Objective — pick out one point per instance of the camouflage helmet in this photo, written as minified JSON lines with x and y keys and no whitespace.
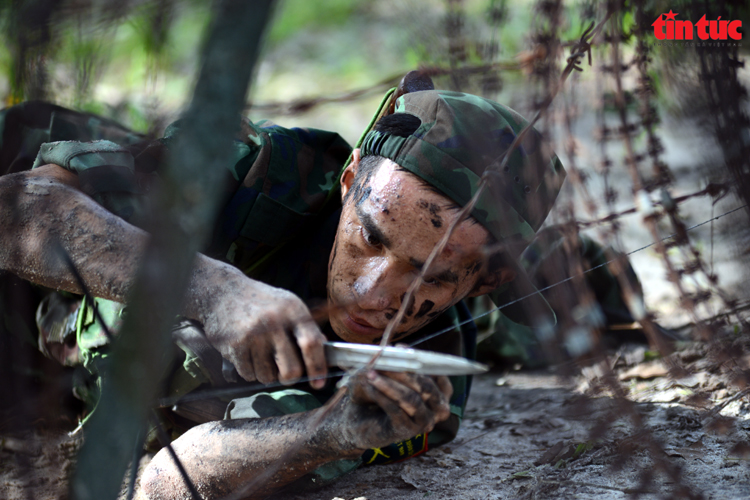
{"x":462,"y":136}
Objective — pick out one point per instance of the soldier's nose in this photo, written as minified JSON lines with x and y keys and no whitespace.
{"x":372,"y":290}
{"x":369,"y":295}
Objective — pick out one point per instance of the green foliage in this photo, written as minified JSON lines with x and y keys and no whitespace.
{"x":294,"y":16}
{"x":651,"y":355}
{"x":583,"y":448}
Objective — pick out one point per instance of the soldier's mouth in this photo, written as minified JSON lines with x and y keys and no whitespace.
{"x":360,"y":326}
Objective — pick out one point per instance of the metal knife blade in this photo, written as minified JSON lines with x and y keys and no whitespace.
{"x":400,"y":359}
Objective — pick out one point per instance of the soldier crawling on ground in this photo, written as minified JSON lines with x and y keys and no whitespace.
{"x":295,"y":230}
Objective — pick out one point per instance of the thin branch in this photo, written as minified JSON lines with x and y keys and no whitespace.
{"x":164,"y":438}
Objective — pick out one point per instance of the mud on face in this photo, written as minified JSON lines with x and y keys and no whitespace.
{"x":390,"y":223}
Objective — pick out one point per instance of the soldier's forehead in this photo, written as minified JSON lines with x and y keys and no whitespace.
{"x":385,"y":174}
{"x":390,"y":177}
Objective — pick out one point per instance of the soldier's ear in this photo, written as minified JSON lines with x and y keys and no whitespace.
{"x":347,"y":176}
{"x":493,"y":280}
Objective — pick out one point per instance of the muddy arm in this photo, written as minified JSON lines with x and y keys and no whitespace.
{"x":44,"y":205}
{"x":225,"y":456}
{"x":253,"y":325}
{"x":248,"y":457}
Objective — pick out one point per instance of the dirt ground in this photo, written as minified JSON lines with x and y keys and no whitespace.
{"x":528,"y":435}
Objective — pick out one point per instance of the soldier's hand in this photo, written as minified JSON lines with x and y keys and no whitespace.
{"x":267,"y":333}
{"x":385,"y":407}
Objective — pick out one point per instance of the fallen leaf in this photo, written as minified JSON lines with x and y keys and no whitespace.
{"x":697,"y":444}
{"x":691,"y":381}
{"x":559,"y":423}
{"x":524,"y":474}
{"x":548,"y":456}
{"x":667,"y":396}
{"x":699,"y":400}
{"x":740,"y":450}
{"x":648,"y":370}
{"x":522,"y":431}
{"x":493,"y":453}
{"x":491,"y":423}
{"x":558,"y":452}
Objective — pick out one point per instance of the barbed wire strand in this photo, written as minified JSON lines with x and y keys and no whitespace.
{"x":498,"y":308}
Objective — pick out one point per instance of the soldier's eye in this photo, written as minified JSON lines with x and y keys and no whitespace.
{"x":431,"y":281}
{"x":369,"y":238}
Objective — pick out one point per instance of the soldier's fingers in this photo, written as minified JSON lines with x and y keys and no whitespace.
{"x":243,"y":364}
{"x":310,"y":341}
{"x":399,"y":418}
{"x":287,"y":360}
{"x":405,"y":378}
{"x":444,"y":385}
{"x":434,"y":391}
{"x":421,"y":384}
{"x":406,"y":398}
{"x":438,"y":400}
{"x":262,"y":354}
{"x":358,"y":385}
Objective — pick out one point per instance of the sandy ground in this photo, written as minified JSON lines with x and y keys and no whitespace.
{"x":527,"y":435}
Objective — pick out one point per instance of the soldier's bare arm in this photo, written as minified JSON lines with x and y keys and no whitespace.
{"x":222,"y":457}
{"x":44,"y":205}
{"x":261,"y":329}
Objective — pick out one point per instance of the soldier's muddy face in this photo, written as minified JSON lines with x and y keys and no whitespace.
{"x":387,"y":230}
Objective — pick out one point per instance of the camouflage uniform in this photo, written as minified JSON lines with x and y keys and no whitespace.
{"x":279,"y":217}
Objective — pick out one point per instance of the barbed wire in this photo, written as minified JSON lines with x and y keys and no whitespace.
{"x":549,"y":287}
{"x":715,"y":190}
